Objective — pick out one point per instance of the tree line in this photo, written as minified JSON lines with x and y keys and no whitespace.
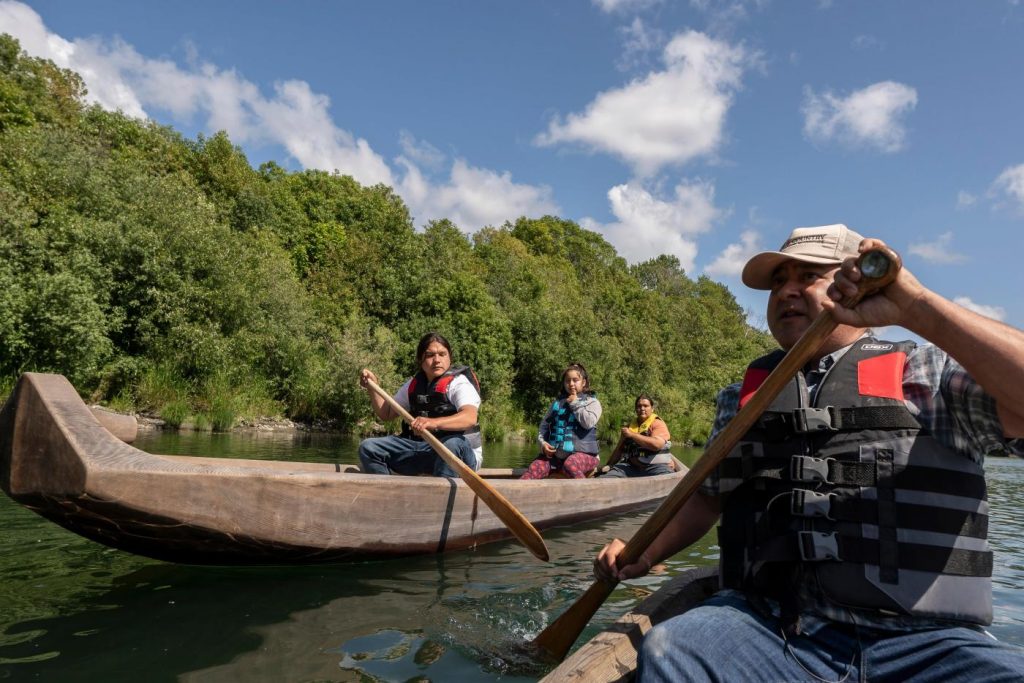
{"x":168,"y":274}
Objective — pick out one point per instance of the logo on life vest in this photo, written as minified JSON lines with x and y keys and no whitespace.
{"x":876,"y":347}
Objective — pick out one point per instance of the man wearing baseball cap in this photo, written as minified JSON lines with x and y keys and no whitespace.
{"x":853,"y":515}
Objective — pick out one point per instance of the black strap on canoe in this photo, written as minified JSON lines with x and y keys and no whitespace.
{"x":447,"y":514}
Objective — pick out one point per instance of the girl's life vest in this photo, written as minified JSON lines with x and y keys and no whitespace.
{"x":634,"y":453}
{"x":848,"y":499}
{"x":430,"y":399}
{"x":564,"y":432}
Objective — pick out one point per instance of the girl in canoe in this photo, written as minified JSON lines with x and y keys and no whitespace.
{"x":444,"y":399}
{"x":643,"y":449}
{"x":568,"y":433}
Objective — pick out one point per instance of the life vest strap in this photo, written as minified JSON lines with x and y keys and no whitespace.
{"x":777,"y":426}
{"x":819,"y":546}
{"x":810,"y":470}
{"x":844,"y":508}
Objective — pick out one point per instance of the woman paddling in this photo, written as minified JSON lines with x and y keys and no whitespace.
{"x":444,"y":399}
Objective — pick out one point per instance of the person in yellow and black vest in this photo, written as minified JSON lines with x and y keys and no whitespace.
{"x":444,"y":399}
{"x":644,"y":447}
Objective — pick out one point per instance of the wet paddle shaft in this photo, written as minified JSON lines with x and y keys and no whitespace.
{"x":879,"y":267}
{"x":499,"y":505}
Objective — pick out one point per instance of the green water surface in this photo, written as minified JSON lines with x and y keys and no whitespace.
{"x":73,"y":610}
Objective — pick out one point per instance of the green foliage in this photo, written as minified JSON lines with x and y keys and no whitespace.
{"x":174,"y":413}
{"x":168,"y":275}
{"x":33,"y":90}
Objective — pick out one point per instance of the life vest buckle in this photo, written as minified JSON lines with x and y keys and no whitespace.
{"x":806,"y":468}
{"x":804,"y":503}
{"x":817,"y":546}
{"x":809,"y":420}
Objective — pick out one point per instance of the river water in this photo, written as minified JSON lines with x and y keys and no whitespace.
{"x":73,"y":610}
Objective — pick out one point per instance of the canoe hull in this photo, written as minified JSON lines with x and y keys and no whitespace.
{"x":57,"y":459}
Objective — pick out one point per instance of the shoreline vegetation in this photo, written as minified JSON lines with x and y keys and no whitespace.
{"x":167,"y":276}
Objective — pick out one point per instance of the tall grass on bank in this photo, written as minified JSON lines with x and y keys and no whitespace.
{"x":216,"y":404}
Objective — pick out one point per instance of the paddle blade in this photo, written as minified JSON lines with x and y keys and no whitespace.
{"x":513,"y":519}
{"x":553,"y":643}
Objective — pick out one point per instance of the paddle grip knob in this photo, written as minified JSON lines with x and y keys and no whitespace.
{"x":878,"y":268}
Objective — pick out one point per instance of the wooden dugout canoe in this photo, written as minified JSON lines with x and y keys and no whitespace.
{"x":58,"y":460}
{"x":610,"y":656}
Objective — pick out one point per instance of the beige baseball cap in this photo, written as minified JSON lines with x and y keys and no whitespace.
{"x":828,"y":244}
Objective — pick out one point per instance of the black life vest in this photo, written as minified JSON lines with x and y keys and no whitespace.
{"x":430,"y":399}
{"x":849,"y":500}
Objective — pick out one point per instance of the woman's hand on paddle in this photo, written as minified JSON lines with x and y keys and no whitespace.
{"x":606,"y":566}
{"x":627,"y":433}
{"x":890,"y":306}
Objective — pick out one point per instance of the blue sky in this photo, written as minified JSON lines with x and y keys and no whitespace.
{"x":703,"y":129}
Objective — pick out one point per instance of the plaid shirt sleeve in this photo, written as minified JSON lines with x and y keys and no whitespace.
{"x":950,"y":404}
{"x":727,"y":405}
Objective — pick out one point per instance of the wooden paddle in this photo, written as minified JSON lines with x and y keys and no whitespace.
{"x":879,"y":267}
{"x":499,"y":505}
{"x":615,"y":456}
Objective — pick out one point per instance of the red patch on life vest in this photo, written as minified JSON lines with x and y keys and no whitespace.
{"x":442,"y":384}
{"x":752,"y":380}
{"x":882,"y":376}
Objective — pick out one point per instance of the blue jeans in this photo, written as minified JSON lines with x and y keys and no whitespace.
{"x":725,"y":639}
{"x":399,"y":455}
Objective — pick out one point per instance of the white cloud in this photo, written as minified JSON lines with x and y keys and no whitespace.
{"x":994,"y":312}
{"x":938,"y":251}
{"x":420,"y":151}
{"x":623,"y":6}
{"x":1010,"y":185}
{"x":732,"y":259}
{"x":872,"y":116}
{"x":639,"y":41}
{"x":667,"y":117}
{"x":118,"y":77}
{"x":647,"y":226}
{"x":472,"y":197}
{"x":293,"y":116}
{"x":724,"y":15}
{"x":866,"y":42}
{"x":965,"y":199}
